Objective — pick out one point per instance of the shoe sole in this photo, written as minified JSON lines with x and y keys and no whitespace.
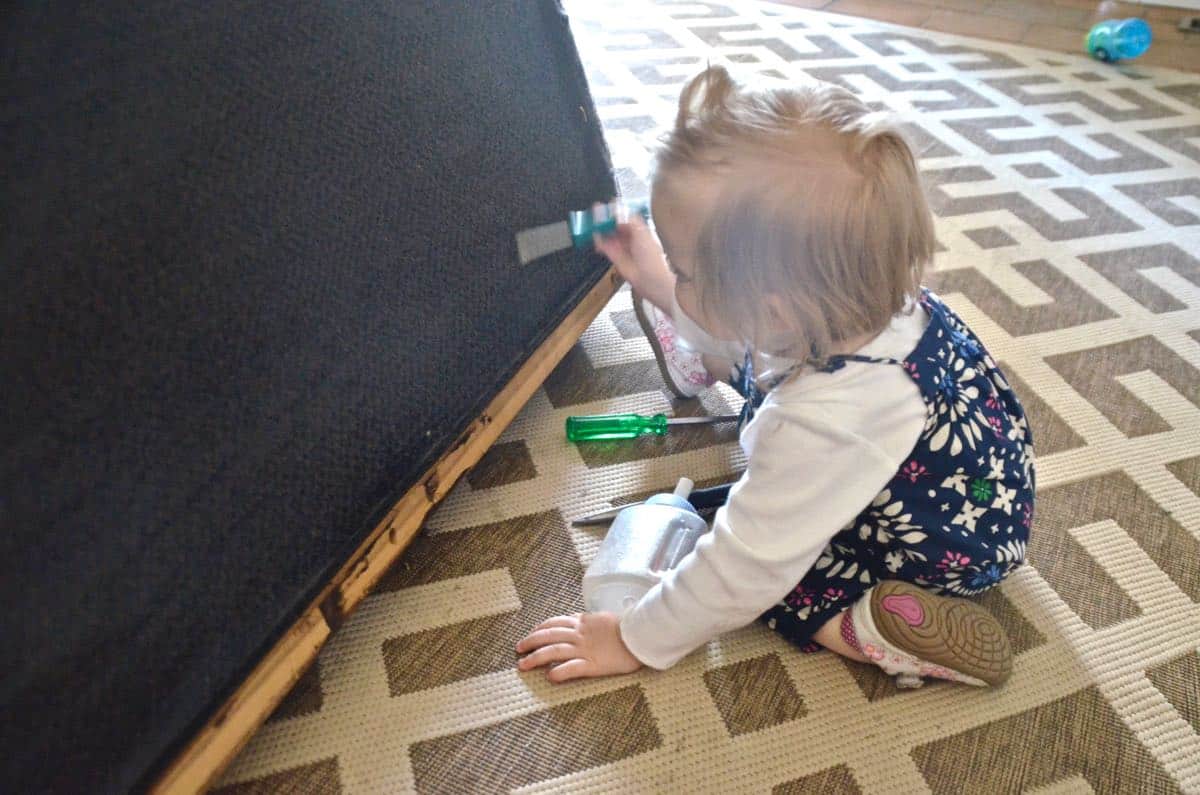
{"x":955,"y":634}
{"x":656,"y":346}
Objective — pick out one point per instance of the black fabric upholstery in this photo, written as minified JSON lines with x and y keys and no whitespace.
{"x":259,"y":271}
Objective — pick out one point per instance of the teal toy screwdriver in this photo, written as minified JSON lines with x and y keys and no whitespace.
{"x":631,"y":426}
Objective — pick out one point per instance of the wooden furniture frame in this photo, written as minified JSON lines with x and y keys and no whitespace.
{"x":230,"y":728}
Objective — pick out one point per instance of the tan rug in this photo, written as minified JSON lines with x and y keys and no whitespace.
{"x":1068,"y":197}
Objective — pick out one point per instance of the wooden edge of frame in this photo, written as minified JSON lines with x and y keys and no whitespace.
{"x":219,"y":741}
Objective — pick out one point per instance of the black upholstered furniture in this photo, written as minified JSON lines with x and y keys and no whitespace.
{"x":259,"y":273}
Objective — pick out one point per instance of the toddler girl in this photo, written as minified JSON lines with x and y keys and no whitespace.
{"x":890,"y":466}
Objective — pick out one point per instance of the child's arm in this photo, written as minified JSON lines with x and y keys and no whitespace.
{"x":807,"y":479}
{"x":639,"y":258}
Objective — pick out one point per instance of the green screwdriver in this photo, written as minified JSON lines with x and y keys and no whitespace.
{"x":631,"y":426}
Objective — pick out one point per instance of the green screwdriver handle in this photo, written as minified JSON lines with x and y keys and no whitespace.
{"x":614,"y":426}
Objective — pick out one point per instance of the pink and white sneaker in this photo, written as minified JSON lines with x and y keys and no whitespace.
{"x":682,"y":370}
{"x":914,"y":634}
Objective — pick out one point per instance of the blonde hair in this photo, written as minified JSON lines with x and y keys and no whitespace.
{"x":821,"y":215}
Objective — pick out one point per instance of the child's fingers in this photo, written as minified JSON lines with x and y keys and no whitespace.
{"x":555,"y":652}
{"x":558,"y":621}
{"x":620,"y":241}
{"x":571,"y":669}
{"x":633,"y":230}
{"x":613,"y":247}
{"x":636,"y":225}
{"x":544,"y":637}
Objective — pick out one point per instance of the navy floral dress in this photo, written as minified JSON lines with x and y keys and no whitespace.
{"x":955,"y":518}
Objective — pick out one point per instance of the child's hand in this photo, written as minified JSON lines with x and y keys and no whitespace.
{"x":639,"y":258}
{"x":582,"y":645}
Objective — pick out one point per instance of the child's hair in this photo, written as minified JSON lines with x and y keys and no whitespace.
{"x":820,"y":212}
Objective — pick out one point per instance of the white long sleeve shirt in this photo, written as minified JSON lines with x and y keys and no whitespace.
{"x":819,"y":450}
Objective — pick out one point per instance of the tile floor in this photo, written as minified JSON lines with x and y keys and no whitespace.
{"x":1051,"y":24}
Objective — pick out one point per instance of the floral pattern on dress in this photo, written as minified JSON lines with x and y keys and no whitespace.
{"x":955,"y":519}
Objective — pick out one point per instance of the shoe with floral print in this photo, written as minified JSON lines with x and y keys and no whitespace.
{"x":914,"y":634}
{"x":682,"y":371}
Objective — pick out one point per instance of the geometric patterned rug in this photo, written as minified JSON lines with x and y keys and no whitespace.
{"x":1068,"y":202}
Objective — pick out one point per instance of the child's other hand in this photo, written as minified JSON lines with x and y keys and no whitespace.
{"x":639,"y":258}
{"x":582,"y":645}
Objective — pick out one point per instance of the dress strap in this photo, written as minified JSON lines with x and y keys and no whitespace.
{"x":744,"y":381}
{"x":834,"y":363}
